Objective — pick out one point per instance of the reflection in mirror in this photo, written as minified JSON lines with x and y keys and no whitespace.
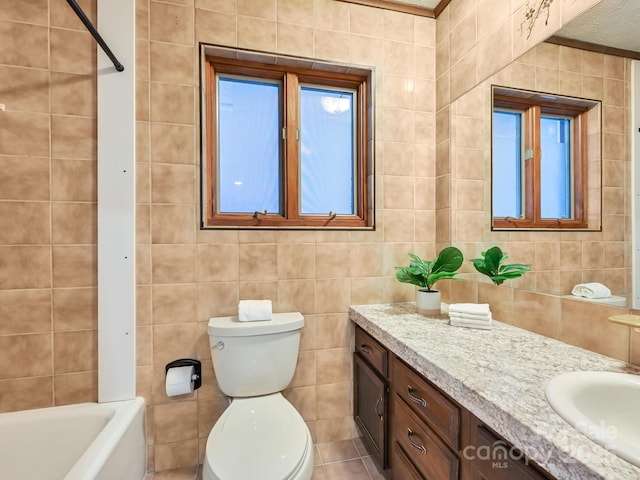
{"x":559,"y":259}
{"x":546,"y":161}
{"x":610,"y":26}
{"x":613,"y":25}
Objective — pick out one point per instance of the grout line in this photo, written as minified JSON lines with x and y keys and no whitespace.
{"x":360,"y":457}
{"x":342,"y":460}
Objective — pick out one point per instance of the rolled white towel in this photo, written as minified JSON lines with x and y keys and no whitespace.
{"x":591,"y":290}
{"x":463,"y":322}
{"x":470,"y":308}
{"x":470,"y":316}
{"x":254,"y":310}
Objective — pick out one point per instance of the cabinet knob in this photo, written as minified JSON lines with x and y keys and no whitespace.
{"x":366,"y":349}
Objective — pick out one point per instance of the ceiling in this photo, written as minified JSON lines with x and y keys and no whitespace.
{"x":611,"y":23}
{"x":430,"y":4}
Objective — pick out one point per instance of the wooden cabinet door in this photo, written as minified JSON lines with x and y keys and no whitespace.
{"x":370,"y":408}
{"x":495,"y":459}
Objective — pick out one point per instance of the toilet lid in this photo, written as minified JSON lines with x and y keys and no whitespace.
{"x":257,"y":437}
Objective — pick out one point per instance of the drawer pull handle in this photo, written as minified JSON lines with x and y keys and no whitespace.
{"x":366,"y":349}
{"x":378,"y":402}
{"x":415,"y":445}
{"x":418,"y":400}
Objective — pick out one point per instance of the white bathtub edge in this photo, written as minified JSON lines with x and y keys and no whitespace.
{"x":128,"y":418}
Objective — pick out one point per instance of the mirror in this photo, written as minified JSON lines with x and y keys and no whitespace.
{"x":610,"y":24}
{"x":560,"y":260}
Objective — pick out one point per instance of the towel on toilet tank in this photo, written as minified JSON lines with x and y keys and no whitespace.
{"x":591,"y":290}
{"x":254,"y":310}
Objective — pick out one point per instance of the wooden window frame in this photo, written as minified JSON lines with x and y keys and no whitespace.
{"x":291,"y":73}
{"x":533,"y":106}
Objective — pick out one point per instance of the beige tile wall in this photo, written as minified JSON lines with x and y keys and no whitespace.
{"x":48,"y":296}
{"x":186,"y":275}
{"x":477,"y":38}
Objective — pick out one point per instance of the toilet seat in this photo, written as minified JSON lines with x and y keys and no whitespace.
{"x":258,"y":437}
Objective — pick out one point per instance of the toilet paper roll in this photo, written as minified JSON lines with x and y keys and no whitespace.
{"x":179,"y":381}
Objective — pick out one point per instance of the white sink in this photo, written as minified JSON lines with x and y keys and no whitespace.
{"x":604,"y":406}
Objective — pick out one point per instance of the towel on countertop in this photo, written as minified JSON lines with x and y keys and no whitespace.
{"x":591,"y":290}
{"x":470,"y":316}
{"x":468,"y":323}
{"x":470,"y":308}
{"x":254,"y":310}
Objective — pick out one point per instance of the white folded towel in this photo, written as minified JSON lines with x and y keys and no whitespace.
{"x":470,"y":308}
{"x":470,"y":316}
{"x":464,"y":322}
{"x":254,"y":310}
{"x":591,"y":290}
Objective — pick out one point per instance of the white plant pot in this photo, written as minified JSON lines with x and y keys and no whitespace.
{"x":428,"y":302}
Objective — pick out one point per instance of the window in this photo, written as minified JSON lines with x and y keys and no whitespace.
{"x":288,"y":143}
{"x":541,"y":161}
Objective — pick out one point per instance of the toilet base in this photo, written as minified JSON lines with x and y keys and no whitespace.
{"x":304,"y":472}
{"x":261,"y":437}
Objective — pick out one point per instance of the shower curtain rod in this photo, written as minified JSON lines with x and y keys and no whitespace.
{"x":92,"y":30}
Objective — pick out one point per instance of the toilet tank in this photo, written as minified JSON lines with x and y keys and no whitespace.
{"x":255,"y":358}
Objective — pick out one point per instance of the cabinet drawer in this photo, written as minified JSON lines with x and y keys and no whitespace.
{"x":372,"y":351}
{"x":430,"y":456}
{"x":403,"y":469}
{"x":440,"y":413}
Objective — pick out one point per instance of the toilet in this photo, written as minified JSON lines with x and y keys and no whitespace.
{"x":260,"y":434}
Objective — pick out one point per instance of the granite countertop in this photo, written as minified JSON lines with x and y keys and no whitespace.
{"x":500,"y":376}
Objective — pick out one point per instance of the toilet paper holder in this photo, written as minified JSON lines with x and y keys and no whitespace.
{"x":188,"y":362}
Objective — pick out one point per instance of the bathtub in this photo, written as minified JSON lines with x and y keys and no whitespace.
{"x":87,"y":441}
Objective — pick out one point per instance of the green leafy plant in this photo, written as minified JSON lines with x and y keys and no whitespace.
{"x":492,"y":265}
{"x":425,"y":273}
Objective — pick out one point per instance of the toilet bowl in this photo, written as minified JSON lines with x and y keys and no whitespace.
{"x":259,"y":437}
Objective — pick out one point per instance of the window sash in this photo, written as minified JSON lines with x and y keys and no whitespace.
{"x":515,"y":168}
{"x":564,"y":173}
{"x":251,"y":144}
{"x":344,"y":173}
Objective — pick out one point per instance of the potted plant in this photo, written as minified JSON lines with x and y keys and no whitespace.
{"x":425,"y":274}
{"x":492,"y":265}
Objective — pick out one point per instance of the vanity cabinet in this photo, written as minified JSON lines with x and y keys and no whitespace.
{"x":419,"y":432}
{"x":371,"y":394}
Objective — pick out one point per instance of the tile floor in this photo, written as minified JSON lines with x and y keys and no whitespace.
{"x":345,"y":460}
